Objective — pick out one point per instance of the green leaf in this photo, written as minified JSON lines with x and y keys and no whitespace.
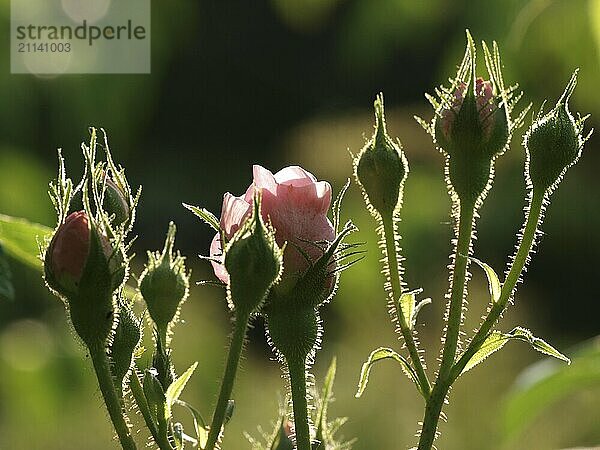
{"x":493,"y":281}
{"x":425,"y":301}
{"x":199,"y":424}
{"x":325,"y":399}
{"x":19,"y":237}
{"x":407,"y":306}
{"x":496,"y":340}
{"x":378,"y":355}
{"x":546,"y":382}
{"x":204,"y":214}
{"x":539,"y":344}
{"x":176,"y":388}
{"x":7,"y":290}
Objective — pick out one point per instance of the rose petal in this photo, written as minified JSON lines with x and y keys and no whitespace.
{"x":295,"y":176}
{"x":234,"y":212}
{"x":216,"y":252}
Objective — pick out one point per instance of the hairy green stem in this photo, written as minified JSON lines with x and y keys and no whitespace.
{"x":440,"y":390}
{"x":138,"y":394}
{"x":435,"y":402}
{"x":457,"y":292}
{"x":233,"y":359}
{"x":111,"y":399}
{"x":527,"y":241}
{"x":297,"y":371}
{"x":392,"y":260}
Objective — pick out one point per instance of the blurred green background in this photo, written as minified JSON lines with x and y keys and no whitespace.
{"x":286,"y":82}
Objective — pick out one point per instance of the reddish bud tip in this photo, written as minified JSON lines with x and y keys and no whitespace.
{"x":68,"y":252}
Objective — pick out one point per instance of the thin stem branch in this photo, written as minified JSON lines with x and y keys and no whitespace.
{"x":527,"y":241}
{"x":297,"y":371}
{"x":111,"y":399}
{"x":392,"y":260}
{"x":233,"y":359}
{"x":440,"y":390}
{"x":138,"y":394}
{"x":457,"y":292}
{"x":435,"y":402}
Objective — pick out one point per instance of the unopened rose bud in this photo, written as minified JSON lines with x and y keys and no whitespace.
{"x":472,"y":129}
{"x":83,"y":267}
{"x":253,"y":261}
{"x":164,"y":283}
{"x":67,"y":254}
{"x":554,"y":143}
{"x":126,"y":338}
{"x":381,"y":167}
{"x":115,"y":202}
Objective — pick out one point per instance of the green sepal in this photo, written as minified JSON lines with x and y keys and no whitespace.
{"x":126,"y":338}
{"x":92,"y":307}
{"x":206,"y":216}
{"x":154,"y":393}
{"x":161,"y":361}
{"x":254,"y":262}
{"x":115,"y":203}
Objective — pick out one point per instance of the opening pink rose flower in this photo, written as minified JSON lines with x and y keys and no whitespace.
{"x":295,"y":203}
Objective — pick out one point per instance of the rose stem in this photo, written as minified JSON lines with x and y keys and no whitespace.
{"x":233,"y":359}
{"x":297,"y":371}
{"x":435,"y":402}
{"x":111,"y":399}
{"x":392,"y":259}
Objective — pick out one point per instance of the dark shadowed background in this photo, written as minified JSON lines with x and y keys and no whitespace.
{"x":285,"y":82}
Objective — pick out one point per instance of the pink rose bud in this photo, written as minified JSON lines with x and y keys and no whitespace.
{"x":115,"y":202}
{"x":68,"y":252}
{"x":295,"y":204}
{"x":472,"y":129}
{"x":485,"y":103}
{"x":82,"y":266}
